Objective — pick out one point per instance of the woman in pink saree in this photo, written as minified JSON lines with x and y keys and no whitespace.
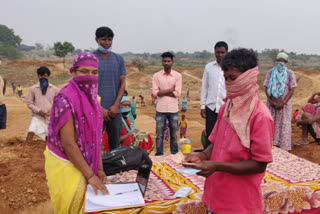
{"x":72,"y":155}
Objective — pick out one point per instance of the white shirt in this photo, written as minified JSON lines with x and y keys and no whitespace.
{"x":213,"y":89}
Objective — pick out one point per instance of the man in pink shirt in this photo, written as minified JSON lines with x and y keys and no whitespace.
{"x":40,"y":100}
{"x":234,"y":164}
{"x":166,"y":86}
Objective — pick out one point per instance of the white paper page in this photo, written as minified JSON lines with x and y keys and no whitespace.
{"x":120,"y":195}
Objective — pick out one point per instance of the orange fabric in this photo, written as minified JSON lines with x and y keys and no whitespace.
{"x":242,"y":97}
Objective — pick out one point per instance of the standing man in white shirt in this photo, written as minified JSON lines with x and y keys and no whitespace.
{"x":213,"y":89}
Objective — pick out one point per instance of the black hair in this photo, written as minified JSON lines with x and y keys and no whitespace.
{"x":104,"y":32}
{"x":133,"y":97}
{"x":243,"y":59}
{"x":221,"y":44}
{"x":43,"y":70}
{"x":167,"y":54}
{"x":125,"y":93}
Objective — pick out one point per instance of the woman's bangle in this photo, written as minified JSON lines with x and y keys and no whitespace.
{"x":100,"y":170}
{"x":90,"y":177}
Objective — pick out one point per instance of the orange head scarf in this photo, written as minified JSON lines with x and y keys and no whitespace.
{"x":242,"y":97}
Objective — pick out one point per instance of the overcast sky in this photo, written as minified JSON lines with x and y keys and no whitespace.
{"x":160,"y":25}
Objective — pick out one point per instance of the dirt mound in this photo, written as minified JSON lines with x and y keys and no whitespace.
{"x":23,"y":72}
{"x":22,"y":177}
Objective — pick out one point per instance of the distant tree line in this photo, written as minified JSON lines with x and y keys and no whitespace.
{"x":178,"y":55}
{"x":12,"y":48}
{"x":9,"y":43}
{"x":200,"y":58}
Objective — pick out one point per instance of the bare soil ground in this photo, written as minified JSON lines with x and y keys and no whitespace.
{"x":23,"y":188}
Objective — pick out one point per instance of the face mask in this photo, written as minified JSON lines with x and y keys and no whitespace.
{"x":103,"y":50}
{"x":88,"y":84}
{"x":281,"y":66}
{"x":44,"y":84}
{"x":86,"y":79}
{"x":125,"y":111}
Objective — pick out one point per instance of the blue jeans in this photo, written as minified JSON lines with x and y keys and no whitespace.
{"x":161,"y":119}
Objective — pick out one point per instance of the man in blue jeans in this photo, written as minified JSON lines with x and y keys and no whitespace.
{"x":111,"y":84}
{"x":167,"y":88}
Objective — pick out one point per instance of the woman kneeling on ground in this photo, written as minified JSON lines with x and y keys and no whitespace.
{"x":235,"y":163}
{"x":72,"y":156}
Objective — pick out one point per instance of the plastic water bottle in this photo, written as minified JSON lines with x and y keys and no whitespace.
{"x":186,"y":147}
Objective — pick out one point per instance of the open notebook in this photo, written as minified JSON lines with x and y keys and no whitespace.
{"x":121,"y":195}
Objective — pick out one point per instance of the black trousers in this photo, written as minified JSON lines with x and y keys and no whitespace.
{"x":211,"y":120}
{"x":313,"y":133}
{"x":113,"y":129}
{"x":3,"y":116}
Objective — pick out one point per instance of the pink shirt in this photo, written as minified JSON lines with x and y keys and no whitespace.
{"x":227,"y":193}
{"x":163,"y":81}
{"x":37,"y":101}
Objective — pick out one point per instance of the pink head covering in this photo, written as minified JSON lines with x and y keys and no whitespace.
{"x":242,"y":97}
{"x":84,"y":59}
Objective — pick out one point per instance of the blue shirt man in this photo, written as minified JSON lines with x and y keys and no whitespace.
{"x":111,"y":84}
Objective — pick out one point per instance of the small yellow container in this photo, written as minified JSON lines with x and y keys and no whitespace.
{"x":186,"y":147}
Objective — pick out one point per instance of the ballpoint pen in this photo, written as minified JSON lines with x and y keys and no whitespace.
{"x":120,"y":193}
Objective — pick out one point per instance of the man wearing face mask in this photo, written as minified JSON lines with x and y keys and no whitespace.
{"x":111,"y":84}
{"x":40,"y":100}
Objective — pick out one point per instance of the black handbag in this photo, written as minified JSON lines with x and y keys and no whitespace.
{"x":124,"y":158}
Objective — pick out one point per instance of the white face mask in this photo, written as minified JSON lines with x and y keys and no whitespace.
{"x":103,"y":50}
